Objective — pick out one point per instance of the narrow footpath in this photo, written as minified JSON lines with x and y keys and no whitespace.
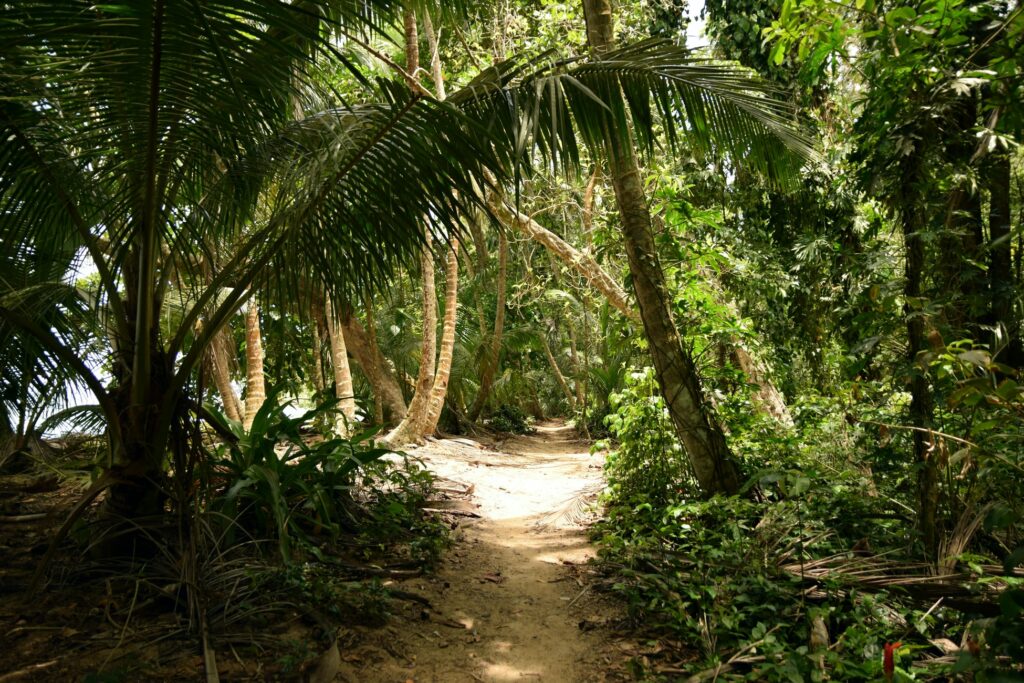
{"x":512,"y":600}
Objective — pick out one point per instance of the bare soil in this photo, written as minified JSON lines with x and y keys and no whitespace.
{"x":512,"y":600}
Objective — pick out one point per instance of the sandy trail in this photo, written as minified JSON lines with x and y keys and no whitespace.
{"x":509,"y":598}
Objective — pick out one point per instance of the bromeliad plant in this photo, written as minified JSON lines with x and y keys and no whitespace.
{"x":275,"y":482}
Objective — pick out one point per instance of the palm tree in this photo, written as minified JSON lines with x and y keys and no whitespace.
{"x":138,"y":130}
{"x":147,"y":134}
{"x":701,"y":434}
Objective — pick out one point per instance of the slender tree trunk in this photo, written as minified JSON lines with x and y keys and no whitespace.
{"x":371,"y":328}
{"x":715,"y":468}
{"x":444,"y":357}
{"x":255,"y":384}
{"x":435,"y":57}
{"x":588,"y":209}
{"x":342,"y":372}
{"x":1002,"y":291}
{"x":557,"y":371}
{"x":490,"y":369}
{"x":439,"y":390}
{"x":316,"y":313}
{"x":220,"y":367}
{"x":921,"y":407}
{"x":407,"y":429}
{"x":577,"y":366}
{"x":363,"y":346}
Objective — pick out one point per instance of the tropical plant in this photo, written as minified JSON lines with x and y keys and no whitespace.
{"x":181,"y":142}
{"x":275,"y":484}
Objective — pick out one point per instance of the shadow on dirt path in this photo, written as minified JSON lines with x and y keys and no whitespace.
{"x":511,"y":601}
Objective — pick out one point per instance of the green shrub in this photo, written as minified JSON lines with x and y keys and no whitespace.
{"x":274,"y":483}
{"x":647,"y":464}
{"x":510,"y":419}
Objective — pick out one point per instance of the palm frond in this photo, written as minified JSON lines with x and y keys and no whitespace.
{"x":554,"y":108}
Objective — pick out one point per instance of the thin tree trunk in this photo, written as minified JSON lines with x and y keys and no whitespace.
{"x":559,"y":377}
{"x":444,"y":357}
{"x":435,"y":57}
{"x":316,"y":313}
{"x":588,"y":208}
{"x":1000,"y":269}
{"x":371,"y":328}
{"x":715,"y":468}
{"x":255,"y":385}
{"x":577,"y":366}
{"x":439,"y":390}
{"x":406,"y":430}
{"x":220,"y":367}
{"x":920,"y":395}
{"x":342,"y":372}
{"x":380,"y":374}
{"x":490,"y":368}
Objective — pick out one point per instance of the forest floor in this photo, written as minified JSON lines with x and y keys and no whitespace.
{"x":512,"y":599}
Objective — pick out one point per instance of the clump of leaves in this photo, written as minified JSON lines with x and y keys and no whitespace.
{"x":730,"y":577}
{"x":274,"y":482}
{"x":510,"y":419}
{"x":648,"y":464}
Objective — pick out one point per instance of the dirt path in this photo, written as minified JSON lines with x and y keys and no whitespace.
{"x":510,"y":602}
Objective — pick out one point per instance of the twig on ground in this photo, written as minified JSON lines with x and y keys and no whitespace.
{"x":27,"y":671}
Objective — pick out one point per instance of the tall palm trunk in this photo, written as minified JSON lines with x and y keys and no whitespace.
{"x":342,"y":372}
{"x":451,"y":276}
{"x":921,"y":403}
{"x":490,"y":368}
{"x":371,"y":326}
{"x":1000,"y":271}
{"x":255,"y":384}
{"x":220,"y":366}
{"x":444,"y":356}
{"x":362,"y":343}
{"x":406,"y":431}
{"x":702,"y":436}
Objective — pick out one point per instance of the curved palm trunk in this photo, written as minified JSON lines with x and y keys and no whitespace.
{"x":559,"y":377}
{"x":362,"y":343}
{"x":220,"y":366}
{"x":490,"y":368}
{"x":444,"y":357}
{"x":702,"y":436}
{"x":406,"y":431}
{"x":255,"y":385}
{"x":342,"y":372}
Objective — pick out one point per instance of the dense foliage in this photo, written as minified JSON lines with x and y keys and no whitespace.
{"x":778,"y":277}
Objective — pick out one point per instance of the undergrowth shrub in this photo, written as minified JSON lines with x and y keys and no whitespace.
{"x":510,"y":419}
{"x":731,"y":581}
{"x":645,"y":463}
